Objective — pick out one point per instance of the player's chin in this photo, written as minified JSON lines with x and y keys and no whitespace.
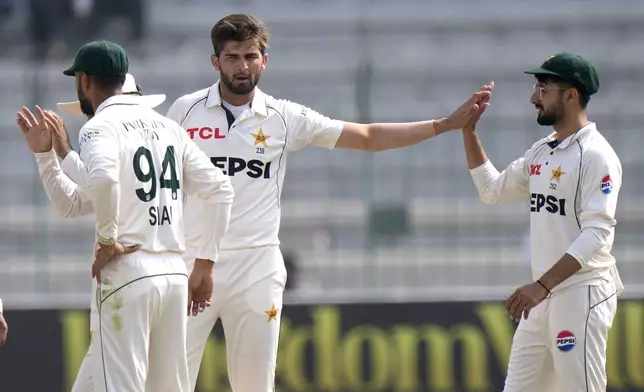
{"x":242,"y":87}
{"x":545,"y":120}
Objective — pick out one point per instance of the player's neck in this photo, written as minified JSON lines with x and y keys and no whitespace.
{"x":102,"y":97}
{"x":569,"y":126}
{"x":235,"y":99}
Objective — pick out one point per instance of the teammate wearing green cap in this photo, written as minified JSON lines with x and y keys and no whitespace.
{"x":139,"y":165}
{"x":572,"y":178}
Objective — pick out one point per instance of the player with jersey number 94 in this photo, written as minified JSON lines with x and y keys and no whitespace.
{"x":138,"y":165}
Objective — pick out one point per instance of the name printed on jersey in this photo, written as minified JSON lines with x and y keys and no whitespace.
{"x":145,"y":172}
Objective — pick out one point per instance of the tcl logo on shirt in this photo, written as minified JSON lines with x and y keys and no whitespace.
{"x":535,"y":170}
{"x":205,"y":133}
{"x":551,"y":204}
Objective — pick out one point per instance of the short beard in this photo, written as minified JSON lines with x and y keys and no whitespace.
{"x":243,"y":89}
{"x":553,"y":117}
{"x":86,"y":107}
{"x":85,"y":104}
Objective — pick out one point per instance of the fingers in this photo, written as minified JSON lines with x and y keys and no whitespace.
{"x":49,"y":115}
{"x":29,"y":116}
{"x":519,"y":309}
{"x":197,"y":307}
{"x":22,"y":123}
{"x":189,"y":301}
{"x":96,"y":272}
{"x":41,"y":117}
{"x":482,"y":96}
{"x":526,"y":312}
{"x":131,"y":249}
{"x":510,"y":301}
{"x":51,"y":125}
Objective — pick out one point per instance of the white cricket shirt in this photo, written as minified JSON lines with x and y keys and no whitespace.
{"x":252,"y":149}
{"x":573,"y":188}
{"x":147,"y":162}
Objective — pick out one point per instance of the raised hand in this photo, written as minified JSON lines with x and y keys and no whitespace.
{"x":483,"y":105}
{"x":60,"y":135}
{"x":475,"y":105}
{"x":36,"y":129}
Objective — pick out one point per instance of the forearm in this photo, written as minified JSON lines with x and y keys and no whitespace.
{"x":216,"y":221}
{"x":474,"y":150}
{"x":397,"y":135}
{"x":63,"y":193}
{"x":106,"y":194}
{"x":563,"y":269}
{"x":494,"y":187}
{"x":74,"y":168}
{"x":580,"y":255}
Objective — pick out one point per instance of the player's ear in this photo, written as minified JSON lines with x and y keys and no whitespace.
{"x":265,"y":58}
{"x":215,"y":62}
{"x":572,"y":93}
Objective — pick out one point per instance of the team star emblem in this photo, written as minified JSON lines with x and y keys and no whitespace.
{"x":260,"y":138}
{"x":557,"y":173}
{"x":272,"y":313}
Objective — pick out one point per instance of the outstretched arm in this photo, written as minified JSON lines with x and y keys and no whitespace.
{"x":387,"y":136}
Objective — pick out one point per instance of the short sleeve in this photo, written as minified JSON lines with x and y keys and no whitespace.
{"x":308,"y":127}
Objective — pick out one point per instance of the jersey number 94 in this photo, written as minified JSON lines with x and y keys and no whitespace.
{"x":147,"y":173}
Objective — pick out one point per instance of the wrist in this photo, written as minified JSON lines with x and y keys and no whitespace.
{"x":105,"y":241}
{"x":544,"y":287}
{"x":204,"y":264}
{"x":441,"y":125}
{"x":63,"y":152}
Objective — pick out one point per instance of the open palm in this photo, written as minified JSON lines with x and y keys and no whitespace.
{"x":36,"y":128}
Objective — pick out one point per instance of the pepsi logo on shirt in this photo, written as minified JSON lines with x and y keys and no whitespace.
{"x":565,"y":341}
{"x":607,"y":185}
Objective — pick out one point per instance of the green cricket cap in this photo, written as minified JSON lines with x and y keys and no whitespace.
{"x":100,"y":58}
{"x":573,"y":69}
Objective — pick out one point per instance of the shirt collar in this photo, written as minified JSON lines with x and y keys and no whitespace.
{"x":257,"y":105}
{"x":567,"y":142}
{"x":117,"y":100}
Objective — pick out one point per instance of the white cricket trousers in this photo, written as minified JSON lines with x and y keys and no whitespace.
{"x":561,"y":347}
{"x":138,"y":326}
{"x":248,"y":292}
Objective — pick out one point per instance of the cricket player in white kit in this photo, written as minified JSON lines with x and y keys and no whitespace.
{"x":249,"y":134}
{"x":64,"y":183}
{"x":572,"y":178}
{"x":139,"y":165}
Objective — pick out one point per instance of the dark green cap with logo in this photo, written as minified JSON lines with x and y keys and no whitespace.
{"x":573,"y":69}
{"x":100,"y":58}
